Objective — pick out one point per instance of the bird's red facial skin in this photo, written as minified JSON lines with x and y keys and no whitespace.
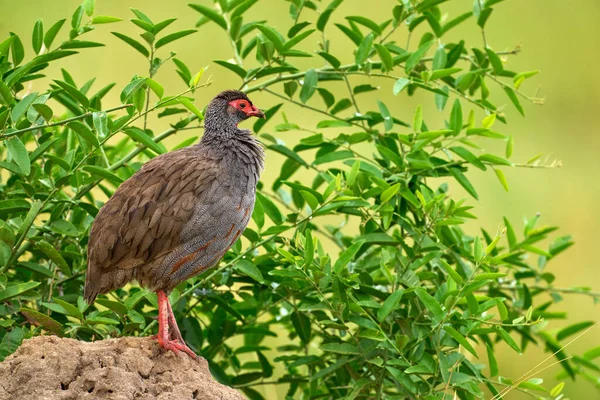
{"x":247,"y":108}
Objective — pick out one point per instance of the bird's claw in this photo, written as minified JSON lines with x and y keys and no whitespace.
{"x":176,"y":346}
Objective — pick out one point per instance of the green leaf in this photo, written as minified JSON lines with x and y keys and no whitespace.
{"x":385,"y":57}
{"x":450,"y":271}
{"x":239,"y":71}
{"x":45,"y":321}
{"x":273,"y":36}
{"x":363,"y":51}
{"x":400,"y":85}
{"x":294,"y":30}
{"x":172,"y":37}
{"x":52,"y":32}
{"x":133,"y":43}
{"x":441,"y":98}
{"x":115,"y":306}
{"x":14,"y":205}
{"x":390,"y":192}
{"x":74,"y":93}
{"x":69,"y":308}
{"x":102,"y":173}
{"x":389,"y":305}
{"x":573,"y":329}
{"x":509,"y":146}
{"x":270,"y":209}
{"x":464,"y":182}
{"x":141,"y":137}
{"x":242,"y":8}
{"x":37,"y":37}
{"x":100,"y":121}
{"x":556,"y":390}
{"x":105,"y":19}
{"x":311,"y":79}
{"x":131,"y":88}
{"x":372,"y":25}
{"x":323,"y":18}
{"x":416,"y":57}
{"x":44,"y":111}
{"x":501,"y":178}
{"x":6,"y":44}
{"x":10,"y":342}
{"x":310,"y":199}
{"x":486,"y":276}
{"x":17,"y":50}
{"x":388,"y":122}
{"x":309,"y":250}
{"x":85,"y":132}
{"x":354,"y":36}
{"x":478,"y":249}
{"x":432,"y":305}
{"x":192,"y":107}
{"x":88,"y":6}
{"x":36,"y":206}
{"x":247,"y":268}
{"x":62,"y":227}
{"x":339,"y":348}
{"x":156,"y":87}
{"x":495,"y":61}
{"x":297,"y":39}
{"x":514,"y":99}
{"x":211,"y":14}
{"x":19,"y":154}
{"x":492,"y":361}
{"x":76,"y":17}
{"x":492,"y":159}
{"x":402,"y":378}
{"x":456,"y":335}
{"x":468,"y":156}
{"x":347,"y":256}
{"x":148,"y":27}
{"x":509,"y":340}
{"x":162,"y":25}
{"x":15,"y":290}
{"x":456,"y":117}
{"x":302,"y":325}
{"x":442,"y":73}
{"x":6,"y":97}
{"x":22,"y":106}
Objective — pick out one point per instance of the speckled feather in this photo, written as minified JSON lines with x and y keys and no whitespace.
{"x":180,"y":213}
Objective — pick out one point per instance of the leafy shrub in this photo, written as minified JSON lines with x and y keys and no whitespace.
{"x":355,"y":255}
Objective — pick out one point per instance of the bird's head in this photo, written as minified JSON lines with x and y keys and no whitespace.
{"x":228,"y":109}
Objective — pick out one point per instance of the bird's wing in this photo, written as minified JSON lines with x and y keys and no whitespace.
{"x":143,"y":220}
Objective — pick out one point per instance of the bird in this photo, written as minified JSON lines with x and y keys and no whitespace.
{"x":179,"y":213}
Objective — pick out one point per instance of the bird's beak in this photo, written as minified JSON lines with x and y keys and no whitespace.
{"x":257,"y":112}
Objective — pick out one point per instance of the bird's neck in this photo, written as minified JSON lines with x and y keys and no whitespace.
{"x":235,"y":147}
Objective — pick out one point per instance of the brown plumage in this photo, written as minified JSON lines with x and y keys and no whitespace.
{"x":180,"y":213}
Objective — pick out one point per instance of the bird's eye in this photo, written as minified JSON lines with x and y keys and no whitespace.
{"x":242,"y":105}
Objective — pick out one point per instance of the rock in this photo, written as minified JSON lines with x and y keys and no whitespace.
{"x":53,"y":368}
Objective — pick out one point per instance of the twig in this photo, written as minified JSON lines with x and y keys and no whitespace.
{"x":311,"y":108}
{"x":63,"y":122}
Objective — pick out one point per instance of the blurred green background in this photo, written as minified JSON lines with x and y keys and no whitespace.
{"x":559,"y":38}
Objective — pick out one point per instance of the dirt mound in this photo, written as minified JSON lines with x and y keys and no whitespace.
{"x":51,"y":368}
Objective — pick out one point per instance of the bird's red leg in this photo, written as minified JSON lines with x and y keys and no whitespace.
{"x":173,"y":326}
{"x":166,"y":320}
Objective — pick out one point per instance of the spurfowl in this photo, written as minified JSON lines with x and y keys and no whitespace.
{"x":180,"y":213}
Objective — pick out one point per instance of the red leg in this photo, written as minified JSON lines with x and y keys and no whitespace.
{"x":166,"y":320}
{"x":175,"y":333}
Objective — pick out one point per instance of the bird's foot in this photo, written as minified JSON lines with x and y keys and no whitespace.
{"x":176,"y":346}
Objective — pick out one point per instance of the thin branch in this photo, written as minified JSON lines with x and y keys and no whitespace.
{"x":311,"y":108}
{"x":63,"y":122}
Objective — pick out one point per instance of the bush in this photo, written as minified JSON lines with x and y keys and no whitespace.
{"x":355,"y":256}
